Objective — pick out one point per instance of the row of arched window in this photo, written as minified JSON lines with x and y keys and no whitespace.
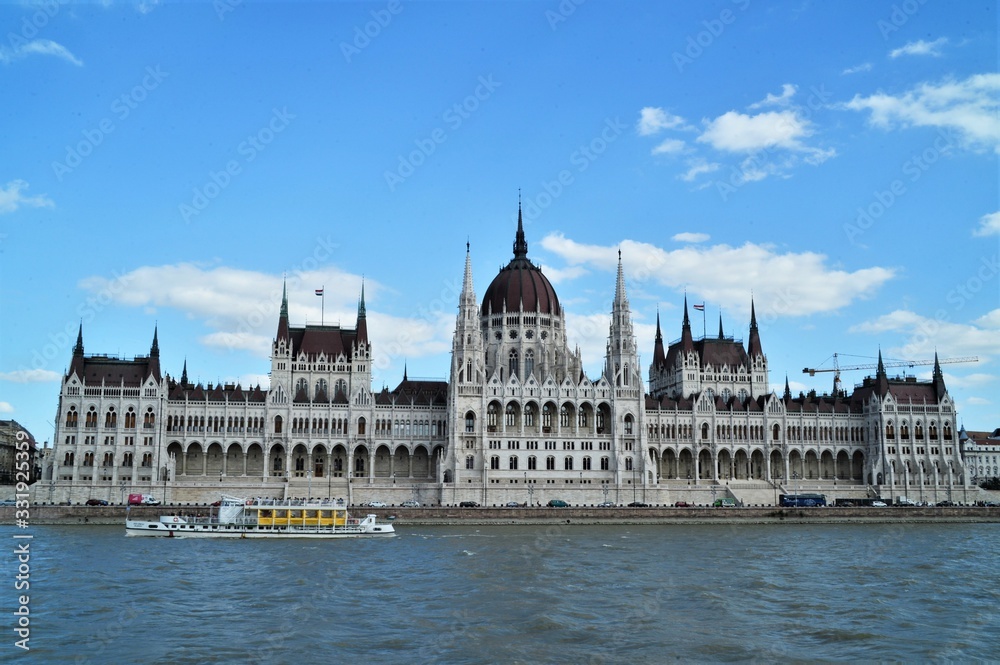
{"x":918,"y":431}
{"x":110,"y":418}
{"x":109,"y":459}
{"x":216,"y":424}
{"x":550,"y":463}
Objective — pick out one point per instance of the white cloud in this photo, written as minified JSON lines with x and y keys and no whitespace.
{"x":690,"y":237}
{"x":864,"y":67}
{"x":698,"y":167}
{"x":240,"y":307}
{"x":787,"y":92}
{"x":989,"y":225}
{"x":5,"y":407}
{"x":11,"y":197}
{"x":920,"y":47}
{"x":978,"y":401}
{"x":925,"y":335}
{"x":38,"y":47}
{"x":653,"y":119}
{"x":785,"y":284}
{"x":30,"y":376}
{"x":558,"y":275}
{"x":669,"y":147}
{"x":738,"y":132}
{"x":968,"y":107}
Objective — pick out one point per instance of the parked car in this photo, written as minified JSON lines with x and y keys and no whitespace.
{"x":96,"y":502}
{"x":468,"y":504}
{"x":142,"y":500}
{"x":512,"y":504}
{"x":410,"y":504}
{"x":879,"y":504}
{"x":682,"y":504}
{"x":557,"y":503}
{"x":638,"y":504}
{"x":946,"y":503}
{"x":606,"y":504}
{"x":376,"y":504}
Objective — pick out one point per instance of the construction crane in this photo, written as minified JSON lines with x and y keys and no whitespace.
{"x":837,"y":368}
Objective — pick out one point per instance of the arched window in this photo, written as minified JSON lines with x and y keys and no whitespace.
{"x":586,"y":464}
{"x":340,"y":388}
{"x":495,"y":463}
{"x":775,"y":432}
{"x":111,"y":418}
{"x":704,"y":431}
{"x":470,"y":462}
{"x":71,"y":417}
{"x":277,"y":424}
{"x":550,"y":463}
{"x":532,"y":463}
{"x":470,"y":421}
{"x":491,"y":417}
{"x":563,"y":416}
{"x":302,"y":385}
{"x":321,"y":387}
{"x":361,"y":426}
{"x":529,"y":363}
{"x":510,"y":416}
{"x":628,"y":424}
{"x":628,"y":463}
{"x":568,"y":463}
{"x":547,"y":416}
{"x":605,"y":464}
{"x":512,"y":463}
{"x":529,"y":416}
{"x":512,"y":363}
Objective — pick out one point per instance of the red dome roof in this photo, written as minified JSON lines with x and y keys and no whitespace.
{"x":520,"y":286}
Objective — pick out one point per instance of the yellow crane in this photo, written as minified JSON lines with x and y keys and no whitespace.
{"x":838,"y":368}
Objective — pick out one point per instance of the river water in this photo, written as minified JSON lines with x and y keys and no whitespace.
{"x":516,"y":594}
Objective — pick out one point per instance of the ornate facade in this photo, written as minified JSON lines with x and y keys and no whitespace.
{"x":518,"y":419}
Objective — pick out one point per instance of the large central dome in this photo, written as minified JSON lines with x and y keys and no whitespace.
{"x":520,"y":286}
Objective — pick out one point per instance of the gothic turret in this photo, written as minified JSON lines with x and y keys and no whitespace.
{"x":659,"y":355}
{"x":754,"y":348}
{"x":362,"y":326}
{"x":283,"y":315}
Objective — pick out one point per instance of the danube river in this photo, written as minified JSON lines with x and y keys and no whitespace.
{"x":516,"y":594}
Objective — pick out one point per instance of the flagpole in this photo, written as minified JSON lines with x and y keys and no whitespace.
{"x":322,"y":305}
{"x":704,"y":324}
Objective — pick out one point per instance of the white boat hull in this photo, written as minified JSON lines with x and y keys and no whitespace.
{"x":187,"y":530}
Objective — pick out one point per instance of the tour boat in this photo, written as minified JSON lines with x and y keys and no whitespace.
{"x":265,"y":518}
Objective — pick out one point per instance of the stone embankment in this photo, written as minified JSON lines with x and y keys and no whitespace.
{"x":49,"y":514}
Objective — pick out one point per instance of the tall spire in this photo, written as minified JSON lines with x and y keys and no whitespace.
{"x":788,"y":391}
{"x":184,"y":373}
{"x":938,"y":378}
{"x":620,"y":295}
{"x":687,"y":340}
{"x":754,"y":348}
{"x":721,"y":334}
{"x":283,"y":315}
{"x":468,"y":296}
{"x":78,"y":349}
{"x":362,"y":326}
{"x":881,"y":379}
{"x":520,"y":244}
{"x":659,"y":357}
{"x":154,"y":350}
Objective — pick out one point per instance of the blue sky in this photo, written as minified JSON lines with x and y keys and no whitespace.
{"x":166,"y":164}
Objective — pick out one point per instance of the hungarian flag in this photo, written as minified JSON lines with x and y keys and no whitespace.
{"x":319,"y":292}
{"x":700,"y":308}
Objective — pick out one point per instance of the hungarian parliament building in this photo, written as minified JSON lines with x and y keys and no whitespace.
{"x":517,"y":421}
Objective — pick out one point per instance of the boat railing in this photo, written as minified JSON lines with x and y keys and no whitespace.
{"x":297,"y":503}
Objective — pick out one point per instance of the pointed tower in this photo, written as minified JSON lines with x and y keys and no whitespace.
{"x":76,"y":365}
{"x":362,"y":326}
{"x":722,"y":335}
{"x":687,"y":339}
{"x":283,"y":315}
{"x":154,"y":356}
{"x":659,"y":355}
{"x":184,"y":374}
{"x":78,"y":349}
{"x":622,"y":360}
{"x":881,"y":378}
{"x":757,"y":361}
{"x":754,"y":348}
{"x":938,"y":379}
{"x":788,"y":391}
{"x":467,"y":343}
